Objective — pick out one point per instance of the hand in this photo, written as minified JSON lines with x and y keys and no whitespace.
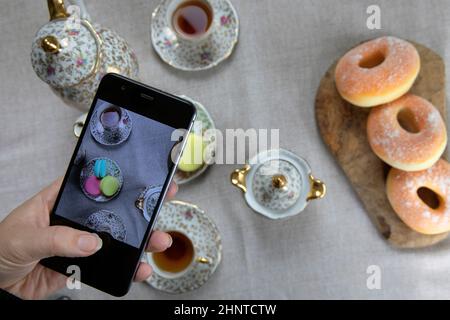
{"x":26,"y":237}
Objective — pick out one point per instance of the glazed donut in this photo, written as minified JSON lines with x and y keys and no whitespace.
{"x":408,"y":134}
{"x":428,"y":215}
{"x":377,"y":72}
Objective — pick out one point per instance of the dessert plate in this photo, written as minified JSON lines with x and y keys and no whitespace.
{"x":107,"y":221}
{"x":112,"y":169}
{"x":191,"y":56}
{"x":192,"y":221}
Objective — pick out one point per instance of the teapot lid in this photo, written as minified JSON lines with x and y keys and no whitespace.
{"x":64,"y":56}
{"x":278,"y":183}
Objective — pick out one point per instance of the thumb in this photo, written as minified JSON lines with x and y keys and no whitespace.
{"x":63,"y":242}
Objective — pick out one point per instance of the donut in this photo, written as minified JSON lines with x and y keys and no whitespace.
{"x":92,"y":186}
{"x":377,"y":72}
{"x":408,"y":134}
{"x":109,"y":186}
{"x":422,"y":199}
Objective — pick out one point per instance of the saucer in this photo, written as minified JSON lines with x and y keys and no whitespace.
{"x":107,"y":138}
{"x":107,"y":221}
{"x":207,"y":123}
{"x":196,"y":57}
{"x":192,"y":221}
{"x":113,"y":169}
{"x":147,"y":200}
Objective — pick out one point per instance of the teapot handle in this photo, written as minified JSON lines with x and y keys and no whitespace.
{"x":83,"y":11}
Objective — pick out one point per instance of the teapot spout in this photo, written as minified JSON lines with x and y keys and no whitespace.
{"x":57,"y":9}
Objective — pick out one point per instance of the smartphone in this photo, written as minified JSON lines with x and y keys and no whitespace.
{"x":118,"y":177}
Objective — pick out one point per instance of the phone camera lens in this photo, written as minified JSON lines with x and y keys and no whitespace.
{"x":123,"y":88}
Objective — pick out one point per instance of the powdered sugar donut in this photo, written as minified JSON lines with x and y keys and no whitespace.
{"x":422,"y":199}
{"x":377,"y":72}
{"x":408,"y":134}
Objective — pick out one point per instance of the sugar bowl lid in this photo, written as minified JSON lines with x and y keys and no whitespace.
{"x":278,"y":184}
{"x":66,"y":50}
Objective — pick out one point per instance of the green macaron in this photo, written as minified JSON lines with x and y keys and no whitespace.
{"x":109,"y":186}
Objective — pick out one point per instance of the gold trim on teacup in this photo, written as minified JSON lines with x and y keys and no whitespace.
{"x":187,"y":204}
{"x":140,"y":203}
{"x":318,"y":189}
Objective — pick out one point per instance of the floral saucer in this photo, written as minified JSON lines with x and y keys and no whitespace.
{"x":203,"y":122}
{"x":147,"y":201}
{"x":112,"y":169}
{"x":109,"y":222}
{"x":192,"y":221}
{"x":192,"y":56}
{"x":111,"y":138}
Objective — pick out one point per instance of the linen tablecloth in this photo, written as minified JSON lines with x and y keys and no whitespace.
{"x":270,"y":81}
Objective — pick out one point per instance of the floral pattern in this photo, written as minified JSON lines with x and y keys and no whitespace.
{"x":191,"y":56}
{"x":61,"y":70}
{"x":271,"y":202}
{"x":192,"y":221}
{"x":273,"y":198}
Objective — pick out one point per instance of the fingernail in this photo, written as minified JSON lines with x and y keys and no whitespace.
{"x":169,"y":241}
{"x":89,"y":242}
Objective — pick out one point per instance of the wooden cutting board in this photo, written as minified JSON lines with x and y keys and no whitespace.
{"x":343,"y":129}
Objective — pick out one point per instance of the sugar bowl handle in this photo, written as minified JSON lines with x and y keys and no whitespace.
{"x":318,"y":189}
{"x":239,"y":176}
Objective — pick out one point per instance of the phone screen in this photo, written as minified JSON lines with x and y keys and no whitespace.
{"x":118,"y":173}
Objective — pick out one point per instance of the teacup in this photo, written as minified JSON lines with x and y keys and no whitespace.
{"x":191,"y":20}
{"x":111,"y":119}
{"x":179,"y":259}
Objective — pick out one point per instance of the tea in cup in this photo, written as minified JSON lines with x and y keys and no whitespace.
{"x":191,"y":20}
{"x":177,"y":260}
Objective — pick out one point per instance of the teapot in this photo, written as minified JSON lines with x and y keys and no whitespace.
{"x":72,"y":54}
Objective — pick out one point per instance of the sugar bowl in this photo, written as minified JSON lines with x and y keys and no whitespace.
{"x":278,"y":184}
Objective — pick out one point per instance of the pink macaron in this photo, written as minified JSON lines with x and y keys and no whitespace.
{"x":92,"y":186}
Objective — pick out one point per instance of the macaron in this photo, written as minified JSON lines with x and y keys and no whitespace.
{"x":109,"y":186}
{"x":100,"y":168}
{"x":192,"y":157}
{"x":92,"y":186}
